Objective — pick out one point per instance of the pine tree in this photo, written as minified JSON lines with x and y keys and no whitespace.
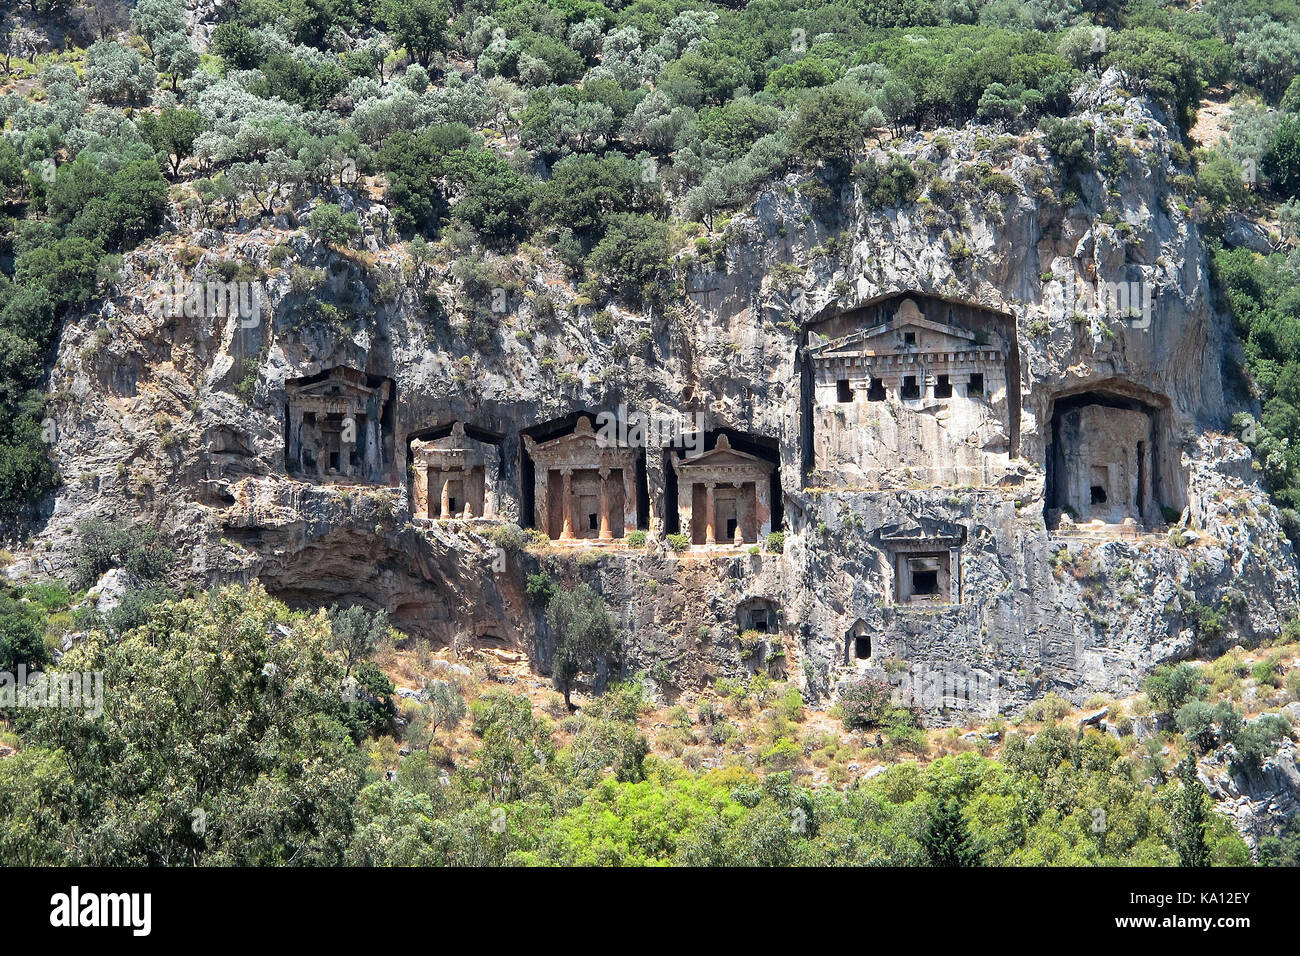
{"x":1191,"y":817}
{"x":946,"y":839}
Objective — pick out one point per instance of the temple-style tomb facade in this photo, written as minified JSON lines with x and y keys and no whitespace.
{"x":454,"y":476}
{"x":583,"y":487}
{"x":339,"y":427}
{"x":910,"y":388}
{"x":724,"y":495}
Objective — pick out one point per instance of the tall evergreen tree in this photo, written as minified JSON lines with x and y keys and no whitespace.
{"x":946,"y":839}
{"x":1191,"y":816}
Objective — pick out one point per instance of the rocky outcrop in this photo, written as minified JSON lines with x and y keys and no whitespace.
{"x":1258,"y":801}
{"x":178,"y":419}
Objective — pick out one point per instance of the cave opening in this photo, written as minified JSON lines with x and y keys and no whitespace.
{"x":1109,"y":458}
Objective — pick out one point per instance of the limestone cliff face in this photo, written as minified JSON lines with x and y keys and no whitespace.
{"x":180,"y":419}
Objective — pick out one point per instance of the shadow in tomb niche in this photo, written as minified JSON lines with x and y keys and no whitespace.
{"x":577,"y":485}
{"x":339,"y":427}
{"x":740,"y":472}
{"x":1110,"y":459}
{"x":857,"y":642}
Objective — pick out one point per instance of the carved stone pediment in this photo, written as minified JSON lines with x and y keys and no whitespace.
{"x":909,"y":332}
{"x":722,"y":459}
{"x":925,"y":532}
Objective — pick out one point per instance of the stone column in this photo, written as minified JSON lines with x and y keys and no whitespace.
{"x":444,"y":492}
{"x":420,"y":490}
{"x":566,"y":502}
{"x":763,"y":506}
{"x":606,"y":533}
{"x":541,"y":499}
{"x":742,"y":513}
{"x":370,"y":459}
{"x":686,"y":507}
{"x":294,"y":451}
{"x":709,"y":532}
{"x":629,"y":494}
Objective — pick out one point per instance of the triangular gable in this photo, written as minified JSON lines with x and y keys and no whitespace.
{"x":455,"y":440}
{"x":887,"y":337}
{"x":723,"y":454}
{"x":583,"y":434}
{"x":341,"y":380}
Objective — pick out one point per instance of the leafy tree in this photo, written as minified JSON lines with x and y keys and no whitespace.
{"x":356,"y":632}
{"x":155,"y":18}
{"x":516,"y":746}
{"x":494,"y":199}
{"x":1190,"y":817}
{"x":584,"y":632}
{"x":103,"y":18}
{"x":67,"y":269}
{"x":415,"y":168}
{"x":1222,"y":183}
{"x":444,"y":711}
{"x":394,"y":827}
{"x":585,"y":191}
{"x":116,"y":75}
{"x":237,"y":46}
{"x":1165,"y":66}
{"x":174,"y":55}
{"x":418,"y":25}
{"x":20,"y":637}
{"x":828,"y":125}
{"x":369,"y":710}
{"x":220,"y":742}
{"x":1172,"y":685}
{"x":739,"y":124}
{"x":173,"y":132}
{"x":332,"y":226}
{"x":633,"y":258}
{"x":864,"y":702}
{"x":1071,"y":143}
{"x":1281,"y":162}
{"x":36,"y":795}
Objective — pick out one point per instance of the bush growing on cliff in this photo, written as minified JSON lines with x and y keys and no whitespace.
{"x":1170,"y":686}
{"x":540,"y":588}
{"x":140,"y":549}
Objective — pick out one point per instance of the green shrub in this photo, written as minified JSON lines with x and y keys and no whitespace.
{"x":1170,"y":687}
{"x":540,"y":588}
{"x":1049,"y":708}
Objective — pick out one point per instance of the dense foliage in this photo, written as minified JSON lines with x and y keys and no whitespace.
{"x":224,"y":738}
